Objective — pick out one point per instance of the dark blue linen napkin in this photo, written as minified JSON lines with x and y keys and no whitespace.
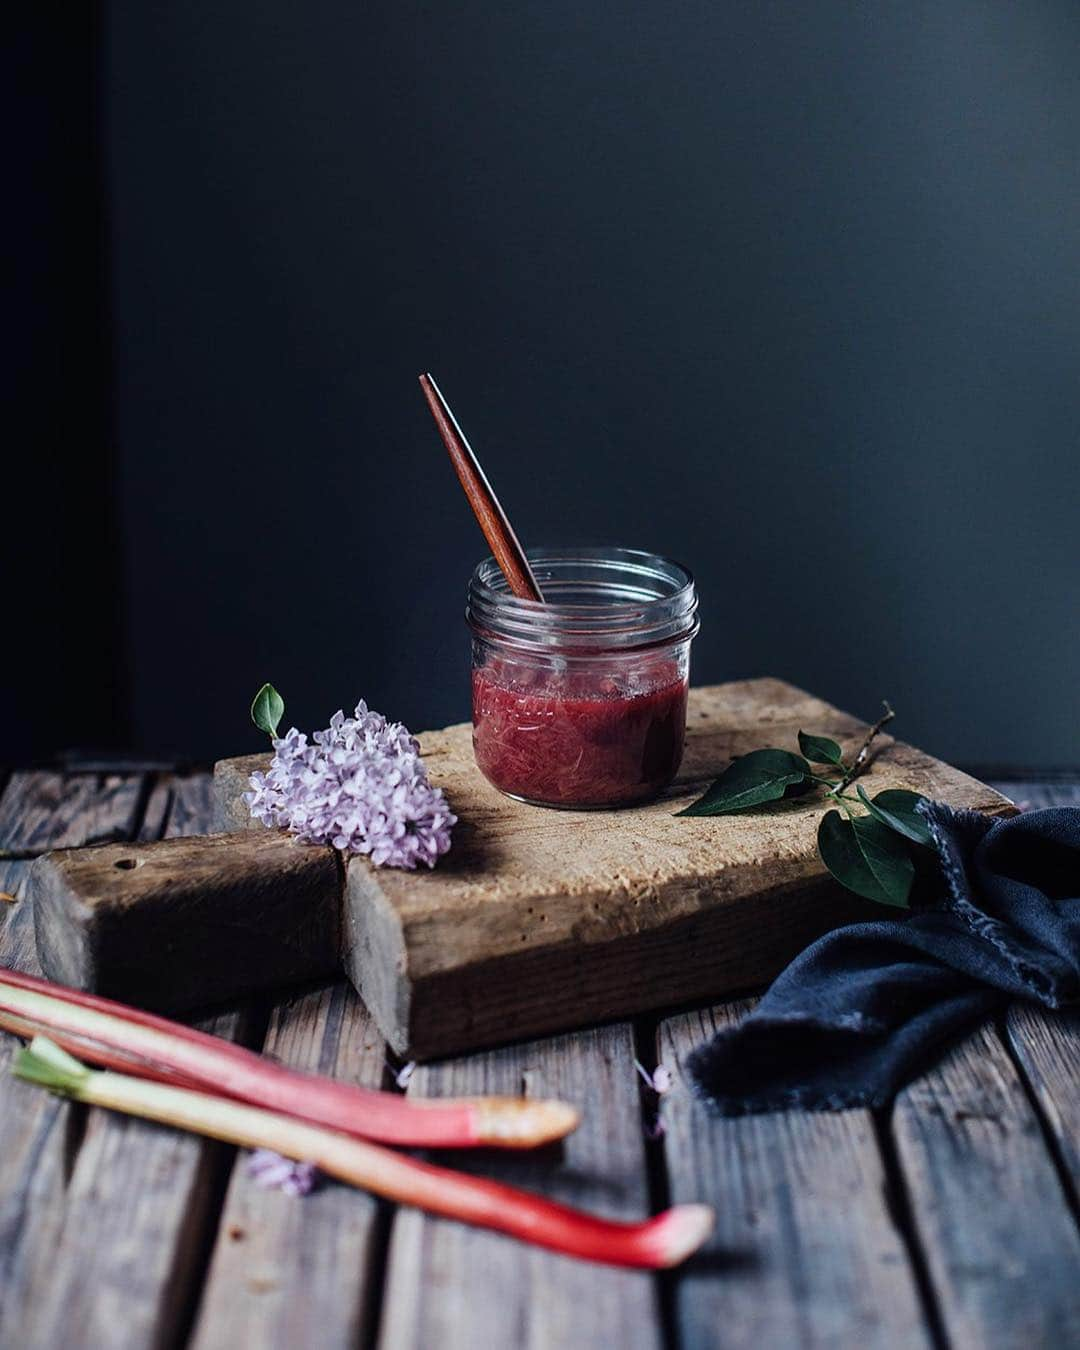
{"x":865,"y":1008}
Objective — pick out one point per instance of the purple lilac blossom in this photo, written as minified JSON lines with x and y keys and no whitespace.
{"x":360,"y":786}
{"x":273,"y":1172}
{"x":659,"y":1081}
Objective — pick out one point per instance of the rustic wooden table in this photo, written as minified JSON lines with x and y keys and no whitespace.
{"x":950,"y":1221}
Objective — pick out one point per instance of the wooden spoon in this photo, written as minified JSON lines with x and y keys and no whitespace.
{"x":497,"y":529}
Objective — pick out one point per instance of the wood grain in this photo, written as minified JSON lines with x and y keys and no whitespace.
{"x":806,"y":1251}
{"x":1047,"y":1046}
{"x":1033,"y":796}
{"x":102,"y":1245}
{"x":38,"y":1130}
{"x":999,"y":1237}
{"x":539,"y":920}
{"x":53,"y":810}
{"x":459,"y":1288}
{"x":119,"y":1271}
{"x":232,"y":778}
{"x":288,"y":1272}
{"x":187,"y":922}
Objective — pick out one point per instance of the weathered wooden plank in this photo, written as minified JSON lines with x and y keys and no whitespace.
{"x":38,"y":1130}
{"x":180,"y":803}
{"x":806,"y":1251}
{"x":1047,"y":1046}
{"x":191,"y":804}
{"x":288,"y":1272}
{"x":178,"y":806}
{"x":1000,"y":1242}
{"x":119,"y":1271}
{"x":452,"y":1286}
{"x":51,"y":810}
{"x":155,"y":818}
{"x":1032,"y":796}
{"x":182,"y":923}
{"x":232,"y":779}
{"x":539,"y":921}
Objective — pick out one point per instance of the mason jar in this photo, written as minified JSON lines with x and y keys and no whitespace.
{"x":580,"y":701}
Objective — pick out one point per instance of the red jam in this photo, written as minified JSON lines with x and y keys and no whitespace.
{"x":579,"y":738}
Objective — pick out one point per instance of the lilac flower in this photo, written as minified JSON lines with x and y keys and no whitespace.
{"x":273,"y":1172}
{"x":662,"y":1079}
{"x":659,"y":1081}
{"x":360,"y":786}
{"x":404,"y":1075}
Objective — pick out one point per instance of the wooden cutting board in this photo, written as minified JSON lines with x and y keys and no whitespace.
{"x":540,"y":920}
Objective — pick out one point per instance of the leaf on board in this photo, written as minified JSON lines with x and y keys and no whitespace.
{"x":752,"y":780}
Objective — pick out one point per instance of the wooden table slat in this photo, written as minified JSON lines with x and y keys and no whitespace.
{"x":1032,"y":796}
{"x":105,"y":1235}
{"x":450,"y":1286}
{"x":146,"y":1194}
{"x":284,"y":1267}
{"x":39,"y":1130}
{"x":1047,"y":1046}
{"x":806,"y":1250}
{"x":49,"y":810}
{"x":1000,"y":1242}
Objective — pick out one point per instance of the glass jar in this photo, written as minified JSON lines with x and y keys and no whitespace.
{"x":581,"y":701}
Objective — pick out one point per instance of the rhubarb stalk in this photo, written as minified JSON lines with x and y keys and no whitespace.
{"x":664,"y":1240}
{"x":152,"y":1047}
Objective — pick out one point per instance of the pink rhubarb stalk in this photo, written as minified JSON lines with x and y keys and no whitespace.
{"x":152,"y":1047}
{"x":664,"y":1240}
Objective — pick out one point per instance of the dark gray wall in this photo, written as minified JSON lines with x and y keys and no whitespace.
{"x":788,"y":291}
{"x":62,"y":679}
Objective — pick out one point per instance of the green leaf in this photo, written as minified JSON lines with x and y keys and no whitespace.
{"x":895,"y":807}
{"x":820,"y":749}
{"x":867,"y":857}
{"x":752,"y":780}
{"x":267,"y":709}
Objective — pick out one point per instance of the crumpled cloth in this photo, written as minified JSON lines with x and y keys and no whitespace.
{"x":866,"y":1007}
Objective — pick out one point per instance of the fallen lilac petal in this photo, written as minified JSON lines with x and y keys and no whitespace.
{"x":273,"y":1172}
{"x":659,"y":1081}
{"x":662,"y":1080}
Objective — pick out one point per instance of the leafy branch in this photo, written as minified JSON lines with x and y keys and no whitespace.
{"x":875,"y":852}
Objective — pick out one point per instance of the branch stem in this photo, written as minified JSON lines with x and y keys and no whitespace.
{"x":859,"y":762}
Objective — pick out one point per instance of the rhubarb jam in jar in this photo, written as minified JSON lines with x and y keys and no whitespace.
{"x":580,"y":701}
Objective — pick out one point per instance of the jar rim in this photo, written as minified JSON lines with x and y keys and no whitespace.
{"x":596,"y":600}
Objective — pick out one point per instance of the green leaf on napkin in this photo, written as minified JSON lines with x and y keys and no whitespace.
{"x":895,"y":807}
